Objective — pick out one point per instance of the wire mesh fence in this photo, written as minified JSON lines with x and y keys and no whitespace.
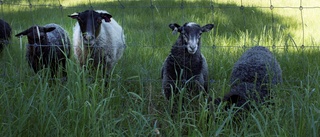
{"x":238,"y":17}
{"x":152,"y":7}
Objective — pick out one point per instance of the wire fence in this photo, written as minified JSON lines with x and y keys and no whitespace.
{"x":210,"y":6}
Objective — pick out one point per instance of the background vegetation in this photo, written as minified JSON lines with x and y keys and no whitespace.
{"x":132,"y":103}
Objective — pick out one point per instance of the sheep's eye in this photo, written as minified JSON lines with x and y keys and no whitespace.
{"x":81,"y":24}
{"x":99,"y":21}
{"x":185,"y":37}
{"x":80,"y":21}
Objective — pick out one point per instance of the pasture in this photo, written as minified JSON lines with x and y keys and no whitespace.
{"x":132,"y":103}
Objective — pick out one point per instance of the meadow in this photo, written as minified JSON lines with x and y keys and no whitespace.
{"x":132,"y":103}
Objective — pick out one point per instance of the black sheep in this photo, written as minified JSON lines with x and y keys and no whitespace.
{"x":48,"y":47}
{"x":186,"y":64}
{"x":5,"y":34}
{"x":252,"y":77}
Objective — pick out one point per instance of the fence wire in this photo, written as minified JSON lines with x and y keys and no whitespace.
{"x":153,"y":6}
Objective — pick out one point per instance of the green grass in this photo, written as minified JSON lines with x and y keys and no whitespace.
{"x":132,"y":103}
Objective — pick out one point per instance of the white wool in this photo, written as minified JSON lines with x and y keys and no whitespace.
{"x":190,"y":24}
{"x":111,"y":37}
{"x":101,"y":11}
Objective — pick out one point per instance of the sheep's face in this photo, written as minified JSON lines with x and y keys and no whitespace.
{"x":190,"y":34}
{"x":36,"y":34}
{"x":90,"y":23}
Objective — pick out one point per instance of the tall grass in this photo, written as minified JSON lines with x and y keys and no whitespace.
{"x":131,"y":104}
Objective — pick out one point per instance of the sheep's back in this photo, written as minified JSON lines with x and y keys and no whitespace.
{"x":58,"y":36}
{"x":59,"y":41}
{"x":256,"y":65}
{"x":5,"y":30}
{"x":112,"y":36}
{"x":58,"y":49}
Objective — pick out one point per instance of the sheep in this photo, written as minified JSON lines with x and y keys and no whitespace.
{"x":97,"y":37}
{"x":5,"y":34}
{"x":186,"y":64}
{"x":48,"y":46}
{"x":256,"y":71}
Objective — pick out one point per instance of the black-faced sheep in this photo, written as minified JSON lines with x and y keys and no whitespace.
{"x":252,"y":76}
{"x":186,"y":64}
{"x":5,"y":34}
{"x":99,"y":37}
{"x":48,"y":46}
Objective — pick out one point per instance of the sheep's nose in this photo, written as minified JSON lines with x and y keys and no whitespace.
{"x":193,"y":47}
{"x":89,"y":37}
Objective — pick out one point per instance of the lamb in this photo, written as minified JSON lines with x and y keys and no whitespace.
{"x":5,"y":34}
{"x":252,"y":76}
{"x":186,"y":64}
{"x":97,"y":37}
{"x":48,"y":46}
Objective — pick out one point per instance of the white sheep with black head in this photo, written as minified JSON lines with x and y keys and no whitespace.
{"x":97,"y":37}
{"x":252,"y":78}
{"x":48,"y":46}
{"x":5,"y":34}
{"x":186,"y":64}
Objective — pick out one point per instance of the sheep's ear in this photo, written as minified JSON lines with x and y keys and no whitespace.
{"x":207,"y":27}
{"x":175,"y":28}
{"x":49,"y":29}
{"x":22,"y":33}
{"x":107,"y":17}
{"x":74,"y":15}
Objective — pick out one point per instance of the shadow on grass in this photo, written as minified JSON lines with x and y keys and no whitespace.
{"x":146,"y":23}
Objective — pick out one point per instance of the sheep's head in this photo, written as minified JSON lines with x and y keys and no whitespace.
{"x":90,"y":23}
{"x":36,"y":34}
{"x":190,"y":34}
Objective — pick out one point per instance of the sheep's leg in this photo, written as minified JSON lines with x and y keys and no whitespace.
{"x":168,"y":88}
{"x":109,"y":68}
{"x":34,"y":63}
{"x":64,"y":69}
{"x":109,"y":63}
{"x":197,"y":85}
{"x":205,"y":82}
{"x":52,"y":63}
{"x":168,"y":91}
{"x":81,"y":55}
{"x":107,"y":72}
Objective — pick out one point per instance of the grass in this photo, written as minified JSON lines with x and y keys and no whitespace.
{"x":132,"y":104}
